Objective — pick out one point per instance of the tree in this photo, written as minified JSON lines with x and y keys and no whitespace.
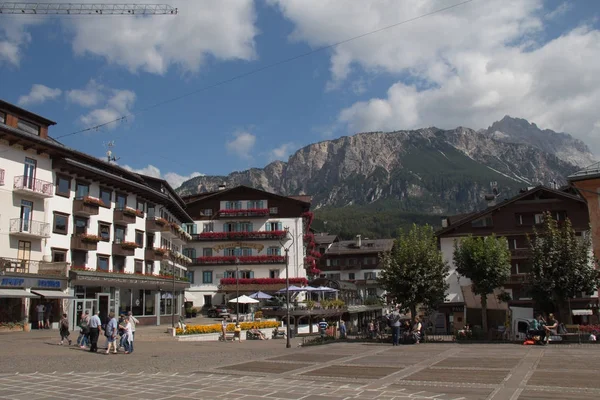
{"x":414,"y":271}
{"x":561,"y":266}
{"x":486,"y":262}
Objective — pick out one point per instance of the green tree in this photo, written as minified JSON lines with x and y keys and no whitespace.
{"x":486,"y":262}
{"x":561,"y":266}
{"x":414,"y":272}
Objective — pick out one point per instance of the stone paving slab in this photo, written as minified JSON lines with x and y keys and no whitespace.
{"x":479,"y":362}
{"x":458,"y":375}
{"x":265,"y":366}
{"x":309,"y":357}
{"x":581,"y":379}
{"x":442,"y":392}
{"x":349,"y":371}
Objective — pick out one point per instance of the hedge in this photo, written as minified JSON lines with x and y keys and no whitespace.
{"x":216,"y":328}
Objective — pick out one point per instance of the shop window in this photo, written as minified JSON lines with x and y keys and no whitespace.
{"x":61,"y":223}
{"x":207,"y":277}
{"x":59,"y":255}
{"x":63,"y":186}
{"x":139,"y":238}
{"x":106,"y":196}
{"x":104,"y":231}
{"x":168,"y":303}
{"x":102,"y":264}
{"x":149,"y":303}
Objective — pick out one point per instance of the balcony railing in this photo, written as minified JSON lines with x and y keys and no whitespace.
{"x":156,"y":224}
{"x":124,"y":215}
{"x":255,"y":235}
{"x":85,"y":207}
{"x":520,"y":253}
{"x":1,"y":177}
{"x":35,"y":187}
{"x":248,"y":212}
{"x":83,"y":243}
{"x":123,"y":248}
{"x":228,"y":260}
{"x":18,"y":266}
{"x":29,"y":228}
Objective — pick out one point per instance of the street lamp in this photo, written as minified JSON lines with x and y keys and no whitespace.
{"x":237,"y":289}
{"x":172,"y":257}
{"x":287,"y":238}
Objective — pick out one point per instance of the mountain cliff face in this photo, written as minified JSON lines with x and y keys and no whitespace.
{"x":428,"y":170}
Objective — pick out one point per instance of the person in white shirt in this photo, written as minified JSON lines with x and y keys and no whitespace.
{"x":133,"y":321}
{"x":128,"y":336}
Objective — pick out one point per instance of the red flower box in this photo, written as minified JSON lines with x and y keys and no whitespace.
{"x":263,"y":281}
{"x":240,"y":235}
{"x":246,"y":212}
{"x":93,"y":201}
{"x":242,"y":259}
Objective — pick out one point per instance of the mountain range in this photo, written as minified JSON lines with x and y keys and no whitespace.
{"x":374,"y":182}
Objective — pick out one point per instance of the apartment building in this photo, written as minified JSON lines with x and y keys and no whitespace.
{"x":241,"y":232}
{"x":356,"y":261}
{"x":117,"y":236}
{"x":514,"y":218}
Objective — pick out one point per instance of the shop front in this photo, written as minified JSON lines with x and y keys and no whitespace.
{"x":21,"y":294}
{"x":152,"y":300}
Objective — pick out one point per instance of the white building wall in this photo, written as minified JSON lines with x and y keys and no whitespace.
{"x":13,"y":164}
{"x":455,"y":281}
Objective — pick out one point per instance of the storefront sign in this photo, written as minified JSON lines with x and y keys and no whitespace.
{"x":256,"y":246}
{"x":12,"y":282}
{"x":33,"y":283}
{"x":44,"y":283}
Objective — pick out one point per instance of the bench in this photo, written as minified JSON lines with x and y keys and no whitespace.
{"x":278,"y":334}
{"x":228,"y":336}
{"x":571,"y":331}
{"x":252,"y":336}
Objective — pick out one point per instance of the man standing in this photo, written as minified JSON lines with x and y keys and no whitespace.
{"x":394,"y":323}
{"x":40,"y":308}
{"x":95,"y":328}
{"x":133,"y":321}
{"x":48,"y":315}
{"x":323,"y":327}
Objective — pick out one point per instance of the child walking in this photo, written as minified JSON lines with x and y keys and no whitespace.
{"x":64,"y":329}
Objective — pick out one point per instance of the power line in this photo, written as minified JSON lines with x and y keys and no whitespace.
{"x":261,"y":69}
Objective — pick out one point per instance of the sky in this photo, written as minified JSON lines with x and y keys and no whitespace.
{"x":171,"y":76}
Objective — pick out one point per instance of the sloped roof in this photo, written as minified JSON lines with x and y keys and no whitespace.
{"x":325,"y":238}
{"x":473,"y":216}
{"x":217,"y":193}
{"x":589,"y":172}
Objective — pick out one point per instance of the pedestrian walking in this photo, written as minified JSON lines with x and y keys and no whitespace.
{"x":224,"y":329}
{"x":128,"y":337}
{"x":84,"y":330}
{"x":111,"y":333}
{"x":95,"y":329}
{"x":394,"y":323}
{"x":134,"y":321}
{"x":342,"y":329}
{"x":39,"y":309}
{"x":323,"y":327}
{"x":64,"y":329}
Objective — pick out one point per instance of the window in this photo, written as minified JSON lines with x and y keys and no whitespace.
{"x":149,"y":240}
{"x":274,"y":274}
{"x":120,"y":201}
{"x":371,"y":292}
{"x":81,"y":190}
{"x":538,"y":219}
{"x":190,"y":252}
{"x":237,"y":251}
{"x":209,"y":227}
{"x":273,"y":210}
{"x":233,"y":205}
{"x":523,"y":268}
{"x":24,"y":250}
{"x":2,"y":117}
{"x":28,"y":127}
{"x":139,"y":238}
{"x":335,"y":262}
{"x":255,"y":204}
{"x":335,"y":277}
{"x":370,"y":275}
{"x":519,"y":219}
{"x":560,"y":215}
{"x":59,"y":255}
{"x":207,"y":252}
{"x":149,"y":267}
{"x":352,"y":261}
{"x":207,"y":212}
{"x":80,"y":225}
{"x":483,"y":222}
{"x":140,"y":206}
{"x":103,"y":262}
{"x":190,"y":276}
{"x":104,"y":231}
{"x":274,"y":251}
{"x":63,"y":186}
{"x":207,"y":277}
{"x":246,"y":274}
{"x":351,"y":276}
{"x":237,"y":227}
{"x":274,"y":226}
{"x":106,"y":196}
{"x":78,"y":258}
{"x":61,"y":223}
{"x":151,"y":211}
{"x":229,"y":274}
{"x":119,"y":234}
{"x":118,"y":263}
{"x":138,"y":267}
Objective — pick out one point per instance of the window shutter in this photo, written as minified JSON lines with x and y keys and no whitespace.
{"x":260,"y":204}
{"x":251,"y":274}
{"x":268,"y":227}
{"x":279,"y":226}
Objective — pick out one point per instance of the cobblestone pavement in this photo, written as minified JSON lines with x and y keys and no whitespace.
{"x":34,"y":367}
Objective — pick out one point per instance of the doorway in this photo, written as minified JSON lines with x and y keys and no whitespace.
{"x":103,"y":306}
{"x":26,"y":214}
{"x":207,"y":300}
{"x":29,"y":173}
{"x":80,"y":306}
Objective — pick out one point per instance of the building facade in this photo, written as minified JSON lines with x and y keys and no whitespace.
{"x":119,"y":236}
{"x":243,"y":232}
{"x":357,"y":261}
{"x":513,"y":219}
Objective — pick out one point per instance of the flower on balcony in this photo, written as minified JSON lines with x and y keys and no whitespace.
{"x":161,"y":221}
{"x":242,"y":259}
{"x":263,"y":281}
{"x":160,"y":251}
{"x":86,"y":237}
{"x":132,"y":212}
{"x":181,"y":258}
{"x":129,"y":245}
{"x":315,"y":254}
{"x":241,"y":235}
{"x":246,"y":211}
{"x":187,"y":236}
{"x":93,"y":201}
{"x":315,"y":271}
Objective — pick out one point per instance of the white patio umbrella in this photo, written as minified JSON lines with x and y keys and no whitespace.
{"x":261,"y":296}
{"x":292,"y":289}
{"x":243,"y":300}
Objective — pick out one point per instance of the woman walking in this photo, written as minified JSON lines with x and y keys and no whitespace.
{"x":111,"y":333}
{"x":84,"y":330}
{"x":64,"y":329}
{"x":128,"y":336}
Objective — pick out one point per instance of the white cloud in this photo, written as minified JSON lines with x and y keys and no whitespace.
{"x":39,"y":94}
{"x":282,"y":152}
{"x":223,"y":30}
{"x":559,"y":11}
{"x":13,"y":37}
{"x":241,"y":145}
{"x":88,"y":97}
{"x":174,"y":179}
{"x":468,"y":66}
{"x":117,"y":105}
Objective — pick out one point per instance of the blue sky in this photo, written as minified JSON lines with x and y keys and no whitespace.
{"x":468,"y":66}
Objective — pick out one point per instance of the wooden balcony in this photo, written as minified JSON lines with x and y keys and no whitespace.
{"x":154,"y":224}
{"x":83,"y":208}
{"x":28,"y":186}
{"x":124,"y":249}
{"x":154,"y":254}
{"x":124,"y":216}
{"x":79,"y":243}
{"x":241,"y":260}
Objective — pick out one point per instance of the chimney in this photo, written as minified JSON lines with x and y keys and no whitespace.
{"x":358,"y":241}
{"x":222,"y":186}
{"x":444,"y":222}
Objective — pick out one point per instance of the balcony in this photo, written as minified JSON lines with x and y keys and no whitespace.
{"x":124,"y":215}
{"x":520,"y":253}
{"x":86,"y":206}
{"x":154,"y":254}
{"x":243,"y":260}
{"x":255,"y":235}
{"x":248,"y":213}
{"x":125,"y":249}
{"x":18,"y":266}
{"x":177,"y":234}
{"x":33,"y":187}
{"x":29,"y":229}
{"x":84,"y":242}
{"x":155,"y":224}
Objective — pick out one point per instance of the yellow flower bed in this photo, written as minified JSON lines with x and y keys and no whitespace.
{"x":216,"y":328}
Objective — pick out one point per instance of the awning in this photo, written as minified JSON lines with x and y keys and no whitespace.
{"x":15,"y":294}
{"x":52,"y":294}
{"x":582,"y":312}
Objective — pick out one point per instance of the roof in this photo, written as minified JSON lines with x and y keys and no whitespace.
{"x":28,"y":114}
{"x":466,"y":218}
{"x":243,"y":187}
{"x":325,"y":238}
{"x":304,"y":198}
{"x":367,"y":246}
{"x":166,"y":184}
{"x":589,"y":172}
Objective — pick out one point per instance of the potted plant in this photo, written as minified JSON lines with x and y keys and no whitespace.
{"x":132,"y":212}
{"x":89,"y":238}
{"x":93,"y":201}
{"x":310,"y":304}
{"x":129,"y":245}
{"x":160,"y":251}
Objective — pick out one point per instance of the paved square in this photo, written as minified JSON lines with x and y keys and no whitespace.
{"x":349,"y":371}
